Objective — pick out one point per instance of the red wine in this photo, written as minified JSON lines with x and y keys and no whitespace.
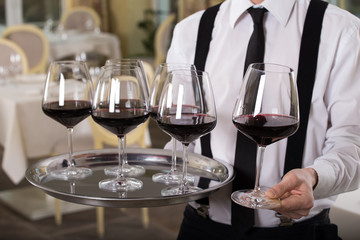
{"x":127,"y":115}
{"x":70,"y":114}
{"x":265,"y":129}
{"x":188,"y":128}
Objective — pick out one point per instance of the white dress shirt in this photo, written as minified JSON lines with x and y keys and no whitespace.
{"x":333,"y":133}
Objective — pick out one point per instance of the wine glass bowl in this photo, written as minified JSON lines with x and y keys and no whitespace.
{"x":186,"y":112}
{"x":120,"y":105}
{"x":67,"y":99}
{"x":132,"y":62}
{"x":266,"y":111}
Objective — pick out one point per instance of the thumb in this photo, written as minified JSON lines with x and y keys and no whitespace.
{"x":285,"y":186}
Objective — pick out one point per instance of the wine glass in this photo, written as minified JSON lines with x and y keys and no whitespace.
{"x":173,"y":176}
{"x":67,"y":99}
{"x":186,"y":112}
{"x":15,"y":67}
{"x":129,"y":170}
{"x":4,"y":75}
{"x":120,"y":105}
{"x":266,"y":111}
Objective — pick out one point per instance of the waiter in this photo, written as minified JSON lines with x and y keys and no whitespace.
{"x":217,"y":41}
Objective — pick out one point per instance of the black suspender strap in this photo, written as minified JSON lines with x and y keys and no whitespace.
{"x":204,"y":36}
{"x":309,"y":50}
{"x":202,"y":48}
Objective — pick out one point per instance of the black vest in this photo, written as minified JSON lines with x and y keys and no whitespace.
{"x":305,"y":79}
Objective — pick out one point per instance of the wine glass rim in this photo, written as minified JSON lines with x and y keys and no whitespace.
{"x":279,"y":68}
{"x":64,"y":62}
{"x":120,"y":66}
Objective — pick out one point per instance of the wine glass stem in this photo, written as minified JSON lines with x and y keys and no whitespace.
{"x":185,"y":162}
{"x":123,"y":139}
{"x":173,"y":156}
{"x":70,"y":146}
{"x":121,"y":155}
{"x":72,"y":187}
{"x":259,"y":162}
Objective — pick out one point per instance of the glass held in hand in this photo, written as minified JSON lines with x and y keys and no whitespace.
{"x":186,"y":112}
{"x":266,"y":111}
{"x":120,"y":105}
{"x":67,"y":99}
{"x":173,"y":176}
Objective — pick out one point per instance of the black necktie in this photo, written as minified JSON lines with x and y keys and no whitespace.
{"x":245,"y":155}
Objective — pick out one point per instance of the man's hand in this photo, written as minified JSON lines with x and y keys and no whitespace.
{"x":295,"y":192}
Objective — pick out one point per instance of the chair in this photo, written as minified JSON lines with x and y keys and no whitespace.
{"x":162,"y":39}
{"x":9,"y":49}
{"x":81,"y":19}
{"x":33,"y":42}
{"x":137,"y":137}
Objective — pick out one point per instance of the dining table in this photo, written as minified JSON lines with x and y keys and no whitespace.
{"x":71,"y":43}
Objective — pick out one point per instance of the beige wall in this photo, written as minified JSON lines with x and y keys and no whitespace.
{"x":123,"y":18}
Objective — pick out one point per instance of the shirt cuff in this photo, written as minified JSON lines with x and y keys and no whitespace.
{"x":326,"y":175}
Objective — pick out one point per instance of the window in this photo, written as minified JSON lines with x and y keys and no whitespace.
{"x":37,"y":12}
{"x":2,"y":12}
{"x":40,"y":11}
{"x":352,"y":6}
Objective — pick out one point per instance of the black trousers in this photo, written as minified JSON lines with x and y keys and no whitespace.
{"x":196,"y":227}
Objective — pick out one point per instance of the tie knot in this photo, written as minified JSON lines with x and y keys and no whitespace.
{"x":257,"y":14}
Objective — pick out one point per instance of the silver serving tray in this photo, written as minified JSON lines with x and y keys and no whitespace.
{"x":86,"y":191}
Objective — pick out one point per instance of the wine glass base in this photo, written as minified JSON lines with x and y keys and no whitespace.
{"x":171,"y":178}
{"x":254,"y":199}
{"x":71,"y":173}
{"x":116,"y":185}
{"x":172,"y":191}
{"x":128,"y":170}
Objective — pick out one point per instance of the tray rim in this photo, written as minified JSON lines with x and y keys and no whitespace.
{"x":128,"y":202}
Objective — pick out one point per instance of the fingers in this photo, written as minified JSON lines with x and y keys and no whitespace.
{"x":295,"y":206}
{"x":295,"y":213}
{"x":296,"y":181}
{"x":289,"y":182}
{"x":295,"y":192}
{"x":300,"y":203}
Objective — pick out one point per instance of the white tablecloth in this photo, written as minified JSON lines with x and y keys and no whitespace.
{"x":346,"y":215}
{"x":26,"y":132}
{"x":72,"y":43}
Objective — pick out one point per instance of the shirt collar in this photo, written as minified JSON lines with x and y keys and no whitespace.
{"x":280,"y":9}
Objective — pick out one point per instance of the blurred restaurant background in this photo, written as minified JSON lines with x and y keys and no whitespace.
{"x":36,"y":32}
